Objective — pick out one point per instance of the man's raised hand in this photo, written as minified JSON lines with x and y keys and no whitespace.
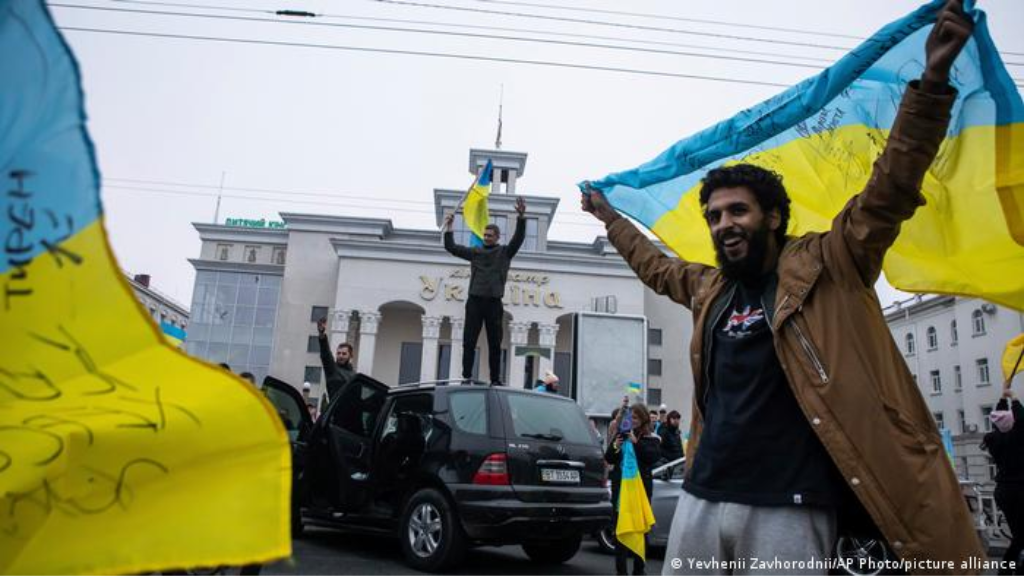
{"x":448,"y":219}
{"x":596,"y":204}
{"x":520,"y":206}
{"x":951,"y":32}
{"x":321,"y":326}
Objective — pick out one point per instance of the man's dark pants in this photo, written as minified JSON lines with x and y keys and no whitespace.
{"x":483,"y":312}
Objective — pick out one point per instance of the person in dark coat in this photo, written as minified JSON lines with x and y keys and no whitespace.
{"x":648,"y":451}
{"x":338,"y":369}
{"x":671,"y":437}
{"x":489,"y":266}
{"x":1006,"y":446}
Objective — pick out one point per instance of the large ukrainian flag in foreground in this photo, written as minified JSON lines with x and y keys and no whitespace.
{"x":474,"y":208}
{"x":823,"y":135}
{"x":118,"y":454}
{"x":635,"y":514}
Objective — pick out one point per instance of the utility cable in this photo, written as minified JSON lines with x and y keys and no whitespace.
{"x":446,"y":33}
{"x":453,"y":56}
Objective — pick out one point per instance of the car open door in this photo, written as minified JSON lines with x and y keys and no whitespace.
{"x":291,"y":407}
{"x":345,"y":443}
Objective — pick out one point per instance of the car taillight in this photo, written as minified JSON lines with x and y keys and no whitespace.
{"x":493,"y":471}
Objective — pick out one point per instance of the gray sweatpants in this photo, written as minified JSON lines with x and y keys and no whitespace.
{"x":726,"y":538}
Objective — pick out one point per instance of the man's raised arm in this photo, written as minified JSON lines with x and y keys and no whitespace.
{"x":450,"y":245}
{"x":870,"y":222}
{"x":665,"y":275}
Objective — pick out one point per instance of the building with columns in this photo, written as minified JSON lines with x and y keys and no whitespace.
{"x":399,"y":298}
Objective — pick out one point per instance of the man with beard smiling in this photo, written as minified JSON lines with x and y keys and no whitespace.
{"x":802,"y":401}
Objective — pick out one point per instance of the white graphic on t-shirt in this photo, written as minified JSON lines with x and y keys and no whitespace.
{"x":741,"y":324}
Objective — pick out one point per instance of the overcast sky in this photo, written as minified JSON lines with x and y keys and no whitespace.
{"x":371,"y":132}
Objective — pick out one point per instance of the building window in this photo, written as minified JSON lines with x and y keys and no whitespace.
{"x":940,"y":420}
{"x":250,"y":254}
{"x":978,"y":322}
{"x":936,"y":379}
{"x":982,"y":364}
{"x":953,"y":338}
{"x":958,"y":380}
{"x":933,"y":338}
{"x":313,"y":345}
{"x":312,"y":374}
{"x":653,"y":367}
{"x":223,"y":251}
{"x":444,"y":360}
{"x":654,"y":336}
{"x":532,"y":239}
{"x":653,"y":397}
{"x":410,"y":361}
{"x":317,"y":312}
{"x":963,"y":421}
{"x":986,"y":422}
{"x":279,"y":256}
{"x":910,"y":344}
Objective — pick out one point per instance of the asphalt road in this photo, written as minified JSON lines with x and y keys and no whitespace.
{"x":324,"y":551}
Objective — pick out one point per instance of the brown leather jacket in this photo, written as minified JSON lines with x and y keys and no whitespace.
{"x":832,"y":340}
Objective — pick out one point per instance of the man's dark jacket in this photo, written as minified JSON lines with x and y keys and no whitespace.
{"x":336,"y":375}
{"x":1007,"y":448}
{"x":671,"y":442}
{"x":488,"y":264}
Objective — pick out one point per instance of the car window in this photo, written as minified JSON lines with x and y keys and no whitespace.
{"x":418,"y":406}
{"x":357,"y":408}
{"x":469,"y":411}
{"x":289,"y":411}
{"x":548,"y":418}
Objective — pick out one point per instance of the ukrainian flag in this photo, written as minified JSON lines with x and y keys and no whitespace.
{"x":635,"y":514}
{"x":634,"y":388}
{"x":118,"y":453}
{"x":474,"y":208}
{"x":823,"y":136}
{"x":173,"y":334}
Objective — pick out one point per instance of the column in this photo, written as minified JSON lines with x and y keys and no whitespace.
{"x":428,"y":363}
{"x":518,"y":336}
{"x":341,"y":321}
{"x":548,"y":333}
{"x":369,"y":321}
{"x":455,"y":370}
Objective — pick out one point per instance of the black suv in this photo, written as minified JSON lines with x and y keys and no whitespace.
{"x":447,"y":465}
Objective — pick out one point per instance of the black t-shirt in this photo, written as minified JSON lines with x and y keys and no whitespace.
{"x":757,"y":447}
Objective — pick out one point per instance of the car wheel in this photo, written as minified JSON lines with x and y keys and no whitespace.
{"x":553,"y":552}
{"x":862,"y":556}
{"x":606,"y":539}
{"x":431,"y":535}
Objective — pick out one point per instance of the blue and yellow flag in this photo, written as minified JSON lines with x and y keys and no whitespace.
{"x":634,"y":388}
{"x":474,"y":208}
{"x":173,"y":334}
{"x":823,"y":136}
{"x":635,"y":514}
{"x":118,"y":453}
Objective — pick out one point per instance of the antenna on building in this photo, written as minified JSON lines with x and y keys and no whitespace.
{"x":220,"y":190}
{"x":501,"y":102}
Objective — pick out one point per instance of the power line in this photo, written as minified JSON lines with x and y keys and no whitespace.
{"x":448,"y":33}
{"x":272,"y":191}
{"x":613,"y":24}
{"x":670,"y":17}
{"x":134,"y":189}
{"x":494,"y":28}
{"x":453,"y":56}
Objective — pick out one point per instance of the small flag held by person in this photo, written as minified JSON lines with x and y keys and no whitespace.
{"x":635,"y":388}
{"x":474,"y":207}
{"x":1012,"y":356}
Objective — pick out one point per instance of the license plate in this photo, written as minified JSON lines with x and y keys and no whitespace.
{"x":560,"y":476}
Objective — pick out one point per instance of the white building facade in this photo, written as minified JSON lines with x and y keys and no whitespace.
{"x":399,"y":298}
{"x":953,"y":347}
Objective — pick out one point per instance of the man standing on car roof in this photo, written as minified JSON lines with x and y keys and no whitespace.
{"x":800,"y":394}
{"x":489,"y":266}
